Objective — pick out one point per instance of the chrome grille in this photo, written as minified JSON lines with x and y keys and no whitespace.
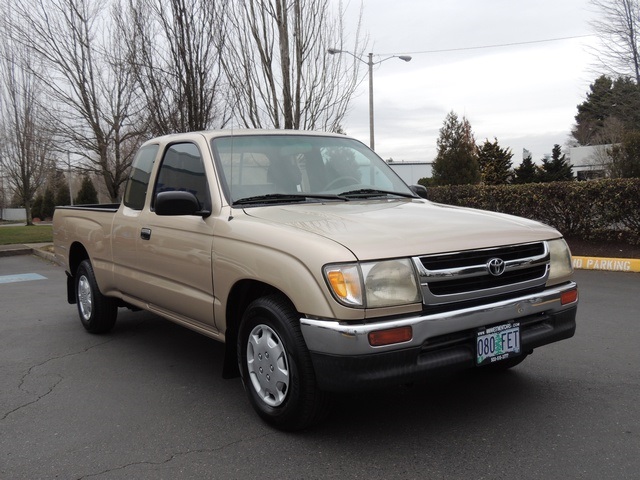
{"x":462,"y":276}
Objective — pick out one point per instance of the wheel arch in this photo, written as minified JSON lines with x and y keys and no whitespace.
{"x":241,"y":295}
{"x":276,"y":366}
{"x":77,"y":254}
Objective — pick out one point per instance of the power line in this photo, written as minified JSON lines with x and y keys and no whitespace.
{"x":497,"y":45}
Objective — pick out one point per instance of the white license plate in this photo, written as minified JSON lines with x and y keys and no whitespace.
{"x":497,"y":343}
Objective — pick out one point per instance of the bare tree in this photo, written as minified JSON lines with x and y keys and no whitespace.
{"x":618,"y":29}
{"x":87,"y":78}
{"x":26,"y":150}
{"x":277,"y":64}
{"x":174,"y":50}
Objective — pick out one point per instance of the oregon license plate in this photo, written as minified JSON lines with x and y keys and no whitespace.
{"x":497,"y":343}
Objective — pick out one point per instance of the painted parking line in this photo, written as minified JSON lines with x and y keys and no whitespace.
{"x":607,"y":264}
{"x":21,"y":277}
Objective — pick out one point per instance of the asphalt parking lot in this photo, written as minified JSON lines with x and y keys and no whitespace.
{"x":148,"y":402}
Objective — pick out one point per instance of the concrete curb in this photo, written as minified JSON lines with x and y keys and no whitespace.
{"x":606,"y":264}
{"x":44,"y":254}
{"x":30,"y":249}
{"x":11,"y":250}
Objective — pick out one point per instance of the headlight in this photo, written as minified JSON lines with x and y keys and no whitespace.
{"x":561,"y":267}
{"x":374,"y":284}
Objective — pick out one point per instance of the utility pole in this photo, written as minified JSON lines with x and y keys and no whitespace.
{"x":1,"y":192}
{"x":372,"y":142}
{"x":69,"y":176}
{"x":370,"y":63}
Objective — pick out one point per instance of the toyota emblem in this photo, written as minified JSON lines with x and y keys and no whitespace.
{"x":496,"y":266}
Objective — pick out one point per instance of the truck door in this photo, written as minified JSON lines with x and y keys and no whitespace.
{"x":126,"y":223}
{"x":174,"y":252}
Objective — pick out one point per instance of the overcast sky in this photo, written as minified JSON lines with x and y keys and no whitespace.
{"x":523,"y":95}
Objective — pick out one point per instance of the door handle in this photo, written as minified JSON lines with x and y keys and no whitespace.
{"x":145,"y":234}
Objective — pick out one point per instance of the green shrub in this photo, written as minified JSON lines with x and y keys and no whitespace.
{"x":595,"y":210}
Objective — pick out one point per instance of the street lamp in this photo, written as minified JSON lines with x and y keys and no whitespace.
{"x":370,"y":63}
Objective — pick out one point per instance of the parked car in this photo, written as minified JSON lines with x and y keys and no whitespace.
{"x":314,"y":263}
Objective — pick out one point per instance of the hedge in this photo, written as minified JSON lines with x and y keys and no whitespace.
{"x":594,"y":210}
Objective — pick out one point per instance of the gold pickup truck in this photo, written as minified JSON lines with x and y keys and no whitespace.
{"x":313,"y":262}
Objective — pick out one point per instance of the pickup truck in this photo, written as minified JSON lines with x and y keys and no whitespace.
{"x":316,"y":265}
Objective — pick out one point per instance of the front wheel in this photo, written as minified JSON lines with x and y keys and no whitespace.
{"x":276,"y":367}
{"x":97,"y":313}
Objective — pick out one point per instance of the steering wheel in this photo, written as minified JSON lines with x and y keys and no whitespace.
{"x":341,"y":182}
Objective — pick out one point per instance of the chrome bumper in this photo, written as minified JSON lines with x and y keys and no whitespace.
{"x":340,"y":338}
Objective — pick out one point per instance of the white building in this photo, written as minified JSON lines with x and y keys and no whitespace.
{"x":588,"y":162}
{"x":411,"y":172}
{"x":13,"y":214}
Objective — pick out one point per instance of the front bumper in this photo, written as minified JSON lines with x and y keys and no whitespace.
{"x":344,"y":360}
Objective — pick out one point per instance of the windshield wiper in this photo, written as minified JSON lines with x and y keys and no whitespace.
{"x":372,"y":192}
{"x":287,"y":197}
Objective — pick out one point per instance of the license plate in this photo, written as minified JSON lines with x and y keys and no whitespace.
{"x":497,"y":343}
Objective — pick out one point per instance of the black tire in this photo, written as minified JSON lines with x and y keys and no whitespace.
{"x":275,"y":365}
{"x":97,"y":313}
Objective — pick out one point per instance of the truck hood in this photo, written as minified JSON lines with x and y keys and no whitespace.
{"x":398,"y":228}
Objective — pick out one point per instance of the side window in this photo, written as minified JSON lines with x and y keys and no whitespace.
{"x":138,"y":182}
{"x":182,"y":170}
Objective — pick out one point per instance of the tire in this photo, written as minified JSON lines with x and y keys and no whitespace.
{"x":97,"y":313}
{"x":276,"y":367}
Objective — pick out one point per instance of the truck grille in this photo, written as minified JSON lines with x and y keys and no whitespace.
{"x":467,"y":275}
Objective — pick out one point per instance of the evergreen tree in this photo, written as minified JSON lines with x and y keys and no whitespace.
{"x":36,"y":207}
{"x":495,"y":163}
{"x":527,"y":172}
{"x":48,"y":204}
{"x":607,"y":100}
{"x":62,"y":189}
{"x":87,"y":194}
{"x":556,"y":168}
{"x":457,"y":160}
{"x":625,"y":157}
{"x":63,"y":197}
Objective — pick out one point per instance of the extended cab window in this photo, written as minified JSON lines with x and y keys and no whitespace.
{"x":182,"y":170}
{"x":138,"y":182}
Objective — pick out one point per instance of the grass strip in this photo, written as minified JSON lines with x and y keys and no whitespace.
{"x":23,"y":234}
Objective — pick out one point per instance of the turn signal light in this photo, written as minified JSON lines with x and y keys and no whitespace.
{"x":338,"y":283}
{"x":569,"y":297}
{"x":390,"y":336}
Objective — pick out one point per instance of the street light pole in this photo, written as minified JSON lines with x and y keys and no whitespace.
{"x":370,"y":63}
{"x":69,"y":175}
{"x":372,"y":142}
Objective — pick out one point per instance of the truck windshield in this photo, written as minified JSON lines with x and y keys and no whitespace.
{"x":291,"y":168}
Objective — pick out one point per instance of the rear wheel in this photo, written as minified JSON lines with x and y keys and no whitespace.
{"x":276,"y":367}
{"x":97,"y":313}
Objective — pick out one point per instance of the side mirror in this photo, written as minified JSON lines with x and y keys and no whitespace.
{"x":176,"y":203}
{"x":419,"y":190}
